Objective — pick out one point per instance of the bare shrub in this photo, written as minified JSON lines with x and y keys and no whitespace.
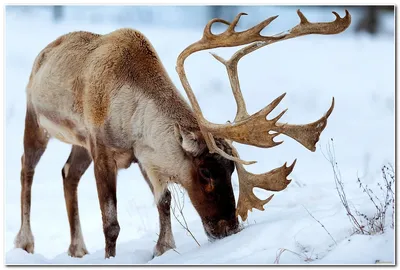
{"x":363,"y":223}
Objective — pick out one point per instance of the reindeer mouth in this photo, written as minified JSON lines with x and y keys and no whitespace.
{"x":211,"y":238}
{"x":221,"y":229}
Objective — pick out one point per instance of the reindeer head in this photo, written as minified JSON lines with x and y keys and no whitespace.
{"x":212,"y":149}
{"x":209,"y":188}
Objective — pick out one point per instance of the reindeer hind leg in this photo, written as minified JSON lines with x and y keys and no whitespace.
{"x":35,"y":143}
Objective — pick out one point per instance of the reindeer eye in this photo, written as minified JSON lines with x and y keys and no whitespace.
{"x":205,"y":173}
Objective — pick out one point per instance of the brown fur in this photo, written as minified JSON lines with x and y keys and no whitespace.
{"x":77,"y":90}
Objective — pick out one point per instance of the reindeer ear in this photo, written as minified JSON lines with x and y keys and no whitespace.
{"x":191,"y":142}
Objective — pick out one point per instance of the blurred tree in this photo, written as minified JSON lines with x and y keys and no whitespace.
{"x":216,"y":11}
{"x":370,"y":20}
{"x":58,"y":13}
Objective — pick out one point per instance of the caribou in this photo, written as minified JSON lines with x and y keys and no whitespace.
{"x":110,"y":97}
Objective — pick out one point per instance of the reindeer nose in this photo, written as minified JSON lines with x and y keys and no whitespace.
{"x":223,"y":228}
{"x":222,"y":223}
{"x":227,"y":228}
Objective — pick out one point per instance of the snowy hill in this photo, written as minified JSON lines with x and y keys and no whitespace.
{"x":358,"y":70}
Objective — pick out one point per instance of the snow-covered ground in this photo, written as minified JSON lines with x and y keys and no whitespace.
{"x":358,"y":70}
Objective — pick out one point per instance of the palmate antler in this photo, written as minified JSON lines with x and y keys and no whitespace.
{"x":255,"y":129}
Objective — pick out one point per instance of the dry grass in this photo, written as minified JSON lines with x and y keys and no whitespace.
{"x":302,"y":256}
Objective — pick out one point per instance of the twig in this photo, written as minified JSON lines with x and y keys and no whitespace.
{"x":180,"y":207}
{"x":320,"y":224}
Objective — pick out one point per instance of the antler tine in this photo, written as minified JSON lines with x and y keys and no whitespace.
{"x":207,"y":29}
{"x":259,"y":27}
{"x":241,"y":38}
{"x":241,"y":112}
{"x":235,"y":21}
{"x":303,"y":18}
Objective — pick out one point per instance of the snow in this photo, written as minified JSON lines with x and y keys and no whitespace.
{"x":358,"y":70}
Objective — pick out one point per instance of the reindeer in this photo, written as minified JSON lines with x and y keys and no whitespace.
{"x":111,"y":98}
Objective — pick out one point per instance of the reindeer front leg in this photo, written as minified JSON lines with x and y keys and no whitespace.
{"x":105,"y":170}
{"x":165,"y":238}
{"x":76,"y":165}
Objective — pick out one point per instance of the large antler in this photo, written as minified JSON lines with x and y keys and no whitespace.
{"x":255,"y":129}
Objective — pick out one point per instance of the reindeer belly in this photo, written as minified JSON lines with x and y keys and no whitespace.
{"x":63,"y":129}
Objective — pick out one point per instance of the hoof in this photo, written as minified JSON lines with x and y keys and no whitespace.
{"x":110,"y":250}
{"x":161,"y":248}
{"x":24,"y":240}
{"x":77,"y":251}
